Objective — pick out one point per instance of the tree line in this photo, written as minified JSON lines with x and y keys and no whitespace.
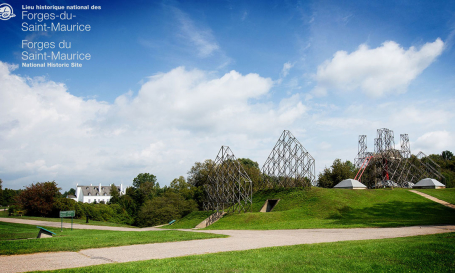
{"x":146,"y":203}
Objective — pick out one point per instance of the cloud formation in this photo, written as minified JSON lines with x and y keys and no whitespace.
{"x":286,"y":67}
{"x":376,"y":72}
{"x":433,"y":142}
{"x":202,"y":39}
{"x":175,"y":119}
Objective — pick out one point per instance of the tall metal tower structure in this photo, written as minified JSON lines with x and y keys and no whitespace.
{"x":392,"y":167}
{"x":288,"y":165}
{"x":229,"y":188}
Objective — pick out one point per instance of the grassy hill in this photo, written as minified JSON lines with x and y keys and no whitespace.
{"x":332,"y":208}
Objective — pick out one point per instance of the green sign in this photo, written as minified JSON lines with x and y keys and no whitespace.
{"x":68,"y":213}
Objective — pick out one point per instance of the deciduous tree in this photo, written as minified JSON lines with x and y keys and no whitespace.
{"x":38,"y":199}
{"x":337,"y":172}
{"x":144,"y":178}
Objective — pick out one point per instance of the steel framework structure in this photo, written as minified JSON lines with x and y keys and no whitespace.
{"x":288,"y":165}
{"x":392,"y":167}
{"x":362,"y":154}
{"x":229,"y":188}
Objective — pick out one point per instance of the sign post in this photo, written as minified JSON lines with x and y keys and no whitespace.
{"x":68,"y":213}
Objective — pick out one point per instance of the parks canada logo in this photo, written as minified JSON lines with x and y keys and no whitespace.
{"x":6,"y":12}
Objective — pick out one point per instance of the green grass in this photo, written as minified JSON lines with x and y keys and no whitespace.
{"x":75,"y":240}
{"x":4,"y":214}
{"x":191,"y":220}
{"x":430,"y":253}
{"x":337,"y":208}
{"x":447,"y":195}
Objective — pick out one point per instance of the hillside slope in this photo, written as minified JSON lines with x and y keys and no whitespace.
{"x":335,"y":208}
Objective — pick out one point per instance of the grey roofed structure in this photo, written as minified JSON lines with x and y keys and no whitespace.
{"x":96,"y":191}
{"x":429,"y":183}
{"x":350,"y":184}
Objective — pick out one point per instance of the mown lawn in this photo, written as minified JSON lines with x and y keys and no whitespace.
{"x":334,"y":208}
{"x":430,"y":253}
{"x":4,"y":214}
{"x":14,"y":238}
{"x":447,"y":195}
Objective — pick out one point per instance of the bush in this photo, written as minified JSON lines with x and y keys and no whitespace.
{"x":62,"y":204}
{"x":161,"y":210}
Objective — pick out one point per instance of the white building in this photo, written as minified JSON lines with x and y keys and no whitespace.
{"x":90,"y":194}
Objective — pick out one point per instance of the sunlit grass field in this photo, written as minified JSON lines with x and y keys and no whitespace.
{"x":332,"y":208}
{"x":20,"y":239}
{"x":430,"y":253}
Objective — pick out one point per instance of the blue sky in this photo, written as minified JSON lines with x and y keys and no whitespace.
{"x":169,"y":82}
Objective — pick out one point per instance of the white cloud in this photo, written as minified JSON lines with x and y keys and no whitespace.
{"x":286,"y":67}
{"x":434,"y":142}
{"x":378,"y":71}
{"x":176,"y":119}
{"x":203,"y":39}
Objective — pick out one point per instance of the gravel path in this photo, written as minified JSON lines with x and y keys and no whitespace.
{"x":238,"y":240}
{"x":447,"y":204}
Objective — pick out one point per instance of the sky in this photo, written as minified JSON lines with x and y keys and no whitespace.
{"x":169,"y":82}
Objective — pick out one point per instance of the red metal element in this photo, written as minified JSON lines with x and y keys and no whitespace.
{"x":362,"y":168}
{"x":386,"y":170}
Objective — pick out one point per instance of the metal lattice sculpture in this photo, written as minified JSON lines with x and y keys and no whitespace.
{"x":229,"y":188}
{"x":288,"y":165}
{"x":391,"y":167}
{"x":405,"y":146}
{"x":362,"y":154}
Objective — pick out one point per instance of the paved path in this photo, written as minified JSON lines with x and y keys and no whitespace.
{"x":452,"y":206}
{"x":238,"y":240}
{"x":75,"y":226}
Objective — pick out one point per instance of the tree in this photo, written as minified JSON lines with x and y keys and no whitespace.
{"x":115,"y":195}
{"x":38,"y":199}
{"x":198,"y":177}
{"x":163,"y":209}
{"x":9,"y":196}
{"x":198,"y":174}
{"x":447,"y":155}
{"x":72,"y":191}
{"x":127,"y":202}
{"x":336,"y":173}
{"x":179,"y":185}
{"x":252,"y":169}
{"x":144,"y":178}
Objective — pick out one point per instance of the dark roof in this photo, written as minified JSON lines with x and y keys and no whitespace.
{"x":71,"y":196}
{"x":94,"y":190}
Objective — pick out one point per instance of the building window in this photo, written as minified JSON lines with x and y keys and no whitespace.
{"x":89,"y":194}
{"x":89,"y":200}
